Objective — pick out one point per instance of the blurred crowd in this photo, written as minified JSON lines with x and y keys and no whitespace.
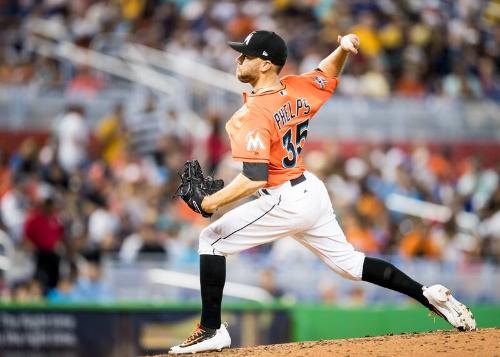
{"x":86,"y":193}
{"x":408,"y":48}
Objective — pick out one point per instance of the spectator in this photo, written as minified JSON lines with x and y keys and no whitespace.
{"x":459,"y":84}
{"x":365,"y":29}
{"x":25,"y":160}
{"x":215,"y":146}
{"x":6,"y":250}
{"x":356,"y":298}
{"x":268,"y":282}
{"x":419,"y":243}
{"x":147,"y":131}
{"x":14,"y":205}
{"x":410,"y":83}
{"x":85,"y":83}
{"x":53,"y":174}
{"x":359,"y":235}
{"x":26,"y":291}
{"x":178,"y":127}
{"x":112,"y":136}
{"x":4,"y":290}
{"x":489,"y":78}
{"x":145,"y":241}
{"x":102,"y":224}
{"x":63,"y":292}
{"x":328,"y":292}
{"x":48,"y":77}
{"x":374,"y":82}
{"x":5,"y":174}
{"x":44,"y":232}
{"x":73,"y":139}
{"x":89,"y":286}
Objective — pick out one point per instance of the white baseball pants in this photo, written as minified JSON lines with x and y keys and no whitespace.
{"x":303,"y":211}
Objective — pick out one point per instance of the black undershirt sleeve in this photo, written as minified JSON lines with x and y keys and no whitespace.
{"x":256,"y":171}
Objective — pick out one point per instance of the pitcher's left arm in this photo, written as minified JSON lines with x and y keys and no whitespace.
{"x":253,"y":178}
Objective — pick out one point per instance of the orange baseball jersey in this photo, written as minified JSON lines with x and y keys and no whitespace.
{"x":271,"y":127}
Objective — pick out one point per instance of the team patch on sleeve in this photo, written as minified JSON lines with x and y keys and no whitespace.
{"x":320,"y":82}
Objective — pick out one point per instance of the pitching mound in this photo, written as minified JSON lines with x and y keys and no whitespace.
{"x":481,"y":343}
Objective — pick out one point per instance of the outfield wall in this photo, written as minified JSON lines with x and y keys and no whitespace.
{"x":311,"y":322}
{"x":44,"y":330}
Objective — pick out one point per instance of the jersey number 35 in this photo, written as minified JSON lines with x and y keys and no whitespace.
{"x":294,"y":147}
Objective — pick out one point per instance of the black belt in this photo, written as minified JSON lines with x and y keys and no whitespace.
{"x":293,"y":182}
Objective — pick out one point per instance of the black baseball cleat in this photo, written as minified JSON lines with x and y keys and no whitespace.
{"x":204,"y":339}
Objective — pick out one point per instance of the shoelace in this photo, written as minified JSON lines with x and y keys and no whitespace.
{"x":198,"y":331}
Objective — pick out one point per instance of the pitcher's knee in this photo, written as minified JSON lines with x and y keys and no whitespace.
{"x":206,"y":241}
{"x":349,"y":266}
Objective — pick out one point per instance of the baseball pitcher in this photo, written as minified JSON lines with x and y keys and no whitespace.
{"x":267,"y":135}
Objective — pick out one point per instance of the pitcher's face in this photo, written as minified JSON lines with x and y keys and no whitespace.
{"x":248,"y":68}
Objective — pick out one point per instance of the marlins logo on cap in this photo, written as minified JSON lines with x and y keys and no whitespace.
{"x":247,"y":39}
{"x":264,"y":44}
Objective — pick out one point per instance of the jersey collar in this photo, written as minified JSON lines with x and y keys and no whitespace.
{"x":249,"y":94}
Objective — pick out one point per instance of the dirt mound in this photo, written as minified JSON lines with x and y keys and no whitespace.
{"x":481,"y":343}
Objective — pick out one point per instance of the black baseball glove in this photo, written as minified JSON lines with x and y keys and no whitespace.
{"x":194,"y":186}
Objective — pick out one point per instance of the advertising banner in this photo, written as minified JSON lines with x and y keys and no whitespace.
{"x":125,"y":332}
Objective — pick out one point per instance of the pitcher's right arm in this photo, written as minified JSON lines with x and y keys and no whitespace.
{"x":333,"y":64}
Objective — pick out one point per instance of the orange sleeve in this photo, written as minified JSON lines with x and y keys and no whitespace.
{"x":250,"y":137}
{"x":316,"y":83}
{"x":321,"y":81}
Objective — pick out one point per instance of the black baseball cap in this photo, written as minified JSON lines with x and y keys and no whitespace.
{"x":263,"y":44}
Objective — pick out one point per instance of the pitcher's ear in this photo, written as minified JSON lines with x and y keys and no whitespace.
{"x":266,"y":66}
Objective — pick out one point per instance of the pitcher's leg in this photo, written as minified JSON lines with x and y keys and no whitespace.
{"x":212,"y":280}
{"x":327,"y":239}
{"x":436,"y":297}
{"x":254,"y":223}
{"x":330,"y":244}
{"x":382,"y":273}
